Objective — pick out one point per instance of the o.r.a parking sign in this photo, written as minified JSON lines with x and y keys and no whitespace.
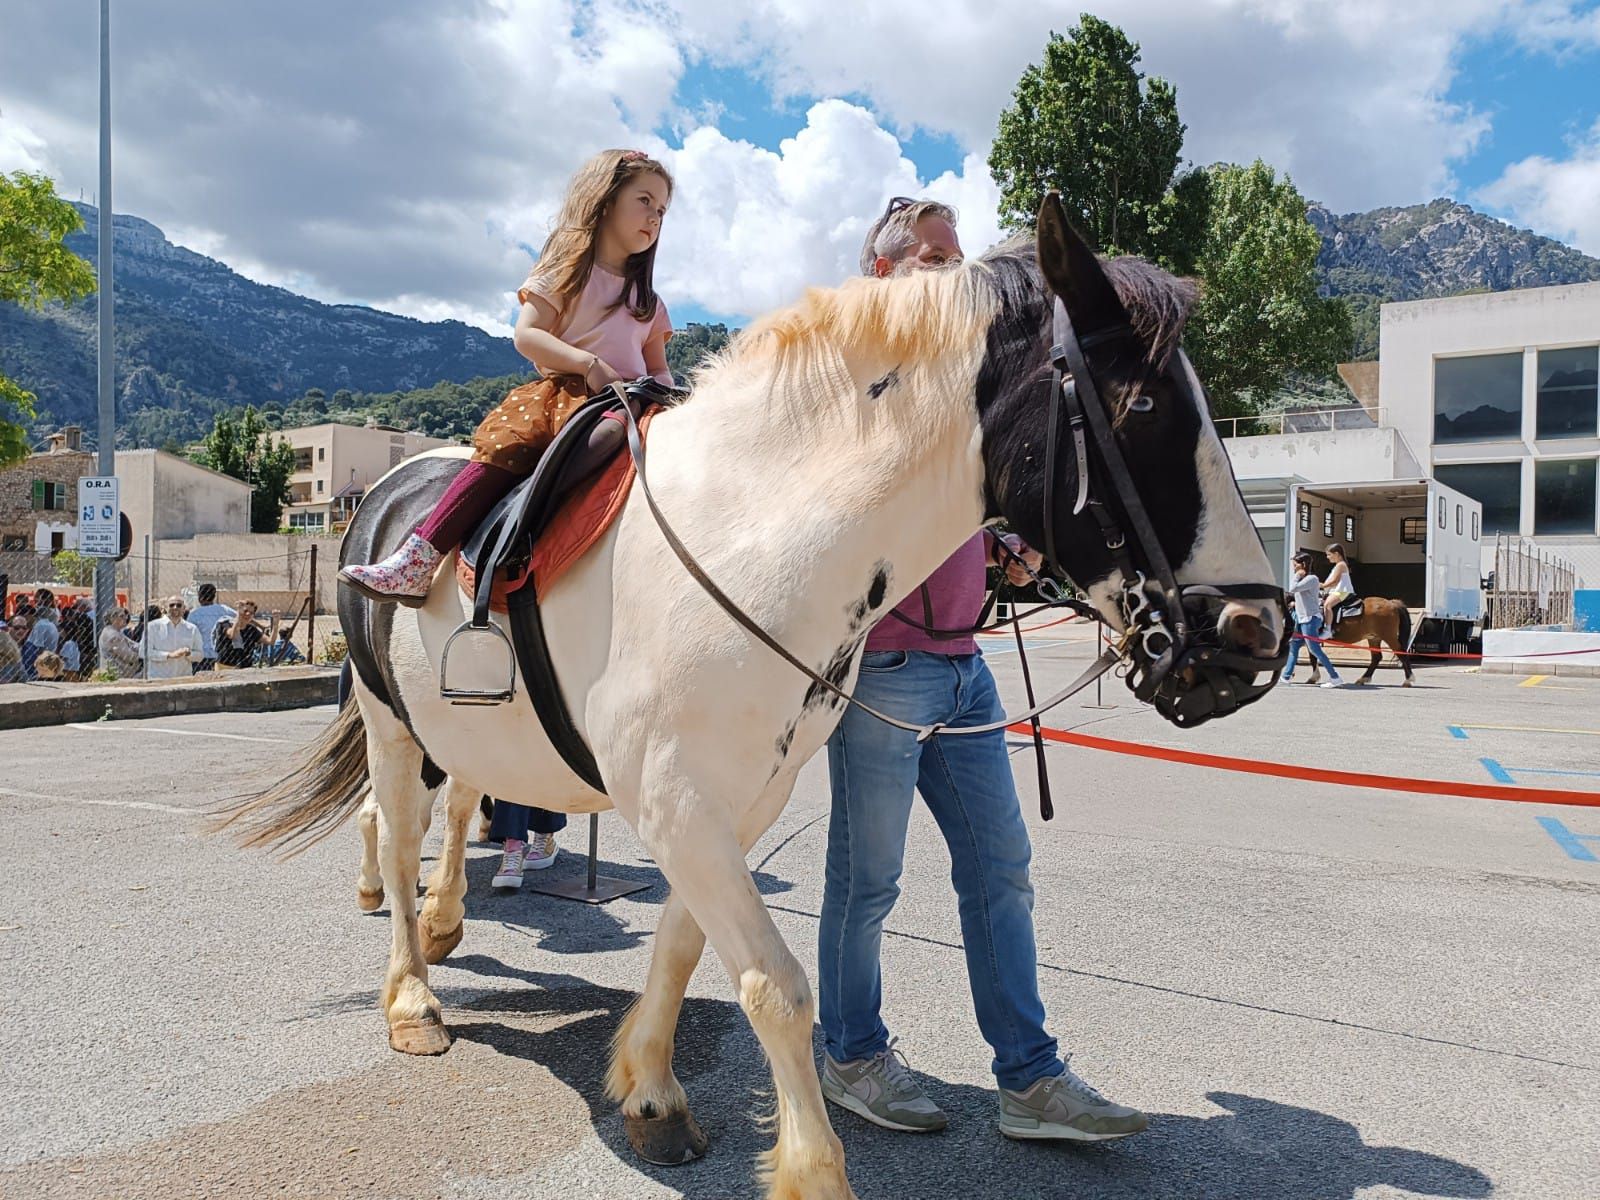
{"x":99,"y":529}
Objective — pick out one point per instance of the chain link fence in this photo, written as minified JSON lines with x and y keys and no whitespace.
{"x":286,"y":598}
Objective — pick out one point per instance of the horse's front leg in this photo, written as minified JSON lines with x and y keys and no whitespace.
{"x":655,"y":1109}
{"x":439,"y":929}
{"x":698,"y":850}
{"x":416,"y":1021}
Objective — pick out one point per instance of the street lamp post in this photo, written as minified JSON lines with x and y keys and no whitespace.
{"x":105,"y":570}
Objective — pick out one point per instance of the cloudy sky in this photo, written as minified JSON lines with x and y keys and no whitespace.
{"x":410,"y":155}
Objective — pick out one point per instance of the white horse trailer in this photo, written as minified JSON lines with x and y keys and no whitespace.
{"x":1414,"y":540}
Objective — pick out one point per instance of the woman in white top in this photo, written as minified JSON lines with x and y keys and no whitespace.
{"x":1337,"y":587}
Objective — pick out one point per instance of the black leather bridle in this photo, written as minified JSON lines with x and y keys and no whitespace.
{"x":1176,"y":657}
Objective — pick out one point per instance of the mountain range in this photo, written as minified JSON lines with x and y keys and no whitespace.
{"x":195,"y":337}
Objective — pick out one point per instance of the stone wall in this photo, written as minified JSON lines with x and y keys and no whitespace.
{"x":18,"y":517}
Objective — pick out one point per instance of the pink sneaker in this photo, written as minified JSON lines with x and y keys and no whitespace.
{"x":404,"y":576}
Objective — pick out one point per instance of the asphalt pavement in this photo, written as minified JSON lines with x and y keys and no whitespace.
{"x":1318,"y":991}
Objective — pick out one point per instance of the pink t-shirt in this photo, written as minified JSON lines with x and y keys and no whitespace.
{"x":617,"y":337}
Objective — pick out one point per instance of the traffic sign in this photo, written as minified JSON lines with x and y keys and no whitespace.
{"x":99,"y":527}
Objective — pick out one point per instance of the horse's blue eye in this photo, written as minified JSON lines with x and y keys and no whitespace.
{"x":1141,"y":404}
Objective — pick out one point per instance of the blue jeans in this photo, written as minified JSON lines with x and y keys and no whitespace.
{"x":966,"y":783}
{"x":1309,"y":629}
{"x":514,"y":820}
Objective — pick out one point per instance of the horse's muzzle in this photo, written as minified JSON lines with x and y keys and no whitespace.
{"x":1234,"y":657}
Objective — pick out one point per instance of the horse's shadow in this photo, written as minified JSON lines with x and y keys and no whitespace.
{"x":1255,"y":1147}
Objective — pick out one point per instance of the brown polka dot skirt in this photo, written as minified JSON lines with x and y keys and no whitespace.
{"x":522,"y":426}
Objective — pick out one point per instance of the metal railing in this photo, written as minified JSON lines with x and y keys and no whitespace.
{"x":1529,"y":586}
{"x":1315,"y":420}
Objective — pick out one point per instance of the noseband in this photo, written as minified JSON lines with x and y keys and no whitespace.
{"x":1171,"y":642}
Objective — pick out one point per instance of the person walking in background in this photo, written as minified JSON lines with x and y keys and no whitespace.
{"x":1308,"y":622}
{"x":205,"y":618}
{"x":118,"y":651}
{"x":171,"y":645}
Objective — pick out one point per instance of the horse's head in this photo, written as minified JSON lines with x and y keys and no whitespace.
{"x":1154,"y":530}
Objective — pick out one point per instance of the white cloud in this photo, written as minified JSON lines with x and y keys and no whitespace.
{"x":749,"y":227}
{"x":1556,"y":197}
{"x":408,"y":155}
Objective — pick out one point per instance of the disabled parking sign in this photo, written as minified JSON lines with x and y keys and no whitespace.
{"x":99,"y":530}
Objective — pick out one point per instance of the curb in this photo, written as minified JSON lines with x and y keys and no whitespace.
{"x":1535,"y":667}
{"x":258,"y":691}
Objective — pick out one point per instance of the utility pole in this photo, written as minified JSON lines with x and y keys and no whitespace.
{"x":105,"y":570}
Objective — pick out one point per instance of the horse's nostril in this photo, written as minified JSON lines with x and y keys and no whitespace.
{"x":1249,"y":628}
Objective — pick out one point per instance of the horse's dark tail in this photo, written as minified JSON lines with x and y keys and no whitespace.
{"x":311,"y":801}
{"x":1405,"y":637}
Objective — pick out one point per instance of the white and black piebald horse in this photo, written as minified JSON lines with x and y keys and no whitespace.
{"x":826,"y":463}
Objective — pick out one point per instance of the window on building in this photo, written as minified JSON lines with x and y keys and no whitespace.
{"x":319,"y":485}
{"x":58,"y":542}
{"x":1413,"y":531}
{"x":302,"y":459}
{"x":1563,"y":496}
{"x":1478,"y":398}
{"x":48,"y":496}
{"x":1474,"y":526}
{"x":1568,"y":384}
{"x":306,"y":520}
{"x":322,"y":454}
{"x":1460,"y":520}
{"x":1305,"y":516}
{"x":1327,"y":522}
{"x":1350,"y":530}
{"x":1496,"y":486}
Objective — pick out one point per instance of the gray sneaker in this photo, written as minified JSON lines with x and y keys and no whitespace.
{"x":1065,"y":1107}
{"x":882,"y":1090}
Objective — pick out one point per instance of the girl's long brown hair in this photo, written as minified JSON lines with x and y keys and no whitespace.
{"x":567,"y":259}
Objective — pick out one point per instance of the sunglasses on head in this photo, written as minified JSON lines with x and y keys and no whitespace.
{"x":895,"y":205}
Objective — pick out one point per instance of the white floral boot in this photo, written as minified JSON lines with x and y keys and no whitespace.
{"x":403,"y":577}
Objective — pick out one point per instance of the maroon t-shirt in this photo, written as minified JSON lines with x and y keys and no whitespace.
{"x":955,"y":594}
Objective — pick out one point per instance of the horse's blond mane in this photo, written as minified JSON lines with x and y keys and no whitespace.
{"x":911,"y":317}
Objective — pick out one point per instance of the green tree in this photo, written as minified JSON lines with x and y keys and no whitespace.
{"x":1260,"y":318}
{"x":240,"y":445}
{"x":1087,"y":123}
{"x":315,"y":401}
{"x":35,"y":267}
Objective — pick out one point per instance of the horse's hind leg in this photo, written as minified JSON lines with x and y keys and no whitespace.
{"x":1405,"y":659}
{"x":416,"y":1021}
{"x":439,"y":928}
{"x":703,"y":860}
{"x":369,"y":883}
{"x":655,"y":1110}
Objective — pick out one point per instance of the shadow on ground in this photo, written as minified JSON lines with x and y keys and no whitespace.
{"x":1253,"y":1147}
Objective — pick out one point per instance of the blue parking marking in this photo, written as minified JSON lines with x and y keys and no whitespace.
{"x":1496,"y":772}
{"x":1572,"y":843}
{"x":1457,"y":732}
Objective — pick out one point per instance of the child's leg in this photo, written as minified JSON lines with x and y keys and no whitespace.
{"x":605,"y":440}
{"x":464,"y":504}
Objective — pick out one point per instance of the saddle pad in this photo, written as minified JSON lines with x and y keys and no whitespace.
{"x":1346,"y":609}
{"x":582,"y":521}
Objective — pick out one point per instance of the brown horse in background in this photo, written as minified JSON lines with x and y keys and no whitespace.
{"x":1381,"y":623}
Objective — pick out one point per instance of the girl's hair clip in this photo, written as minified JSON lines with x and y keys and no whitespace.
{"x":633,"y":155}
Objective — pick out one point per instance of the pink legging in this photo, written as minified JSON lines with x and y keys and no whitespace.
{"x":471,"y":494}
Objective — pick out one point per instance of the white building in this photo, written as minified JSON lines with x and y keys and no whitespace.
{"x":1494,"y":395}
{"x":336,"y":464}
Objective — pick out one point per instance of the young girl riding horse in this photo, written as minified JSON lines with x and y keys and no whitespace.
{"x":590,"y":316}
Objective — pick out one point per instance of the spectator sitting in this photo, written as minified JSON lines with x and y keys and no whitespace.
{"x":283,"y":652}
{"x":47,"y":666}
{"x":205,"y":619}
{"x":171,"y":644}
{"x":118,"y":651}
{"x":237,"y":638}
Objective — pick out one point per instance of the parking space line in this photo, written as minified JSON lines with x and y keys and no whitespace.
{"x":1502,"y":774}
{"x":118,"y":727}
{"x":1460,"y":731}
{"x":144,"y":805}
{"x":1533,"y":681}
{"x":1572,"y":843}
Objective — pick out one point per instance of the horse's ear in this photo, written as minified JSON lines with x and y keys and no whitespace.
{"x":1073,"y":272}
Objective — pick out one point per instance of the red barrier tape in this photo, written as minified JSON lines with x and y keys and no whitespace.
{"x":1250,"y":766}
